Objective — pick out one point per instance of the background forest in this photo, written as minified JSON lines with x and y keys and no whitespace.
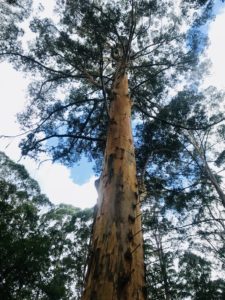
{"x":179,"y":136}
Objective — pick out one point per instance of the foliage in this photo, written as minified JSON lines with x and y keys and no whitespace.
{"x":42,"y":248}
{"x":12,"y":15}
{"x":184,"y":211}
{"x":75,"y":58}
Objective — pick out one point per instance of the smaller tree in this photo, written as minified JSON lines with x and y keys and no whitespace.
{"x":195,"y":279}
{"x":43,"y":248}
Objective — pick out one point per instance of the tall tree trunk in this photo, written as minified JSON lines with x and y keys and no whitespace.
{"x":116,"y":264}
{"x":208,"y":172}
{"x":163,"y":267}
{"x":212,"y":178}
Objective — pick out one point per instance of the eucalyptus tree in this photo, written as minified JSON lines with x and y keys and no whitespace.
{"x":12,"y":15}
{"x":69,"y":230}
{"x":195,"y":279}
{"x":175,"y":271}
{"x":22,"y":245}
{"x":161,"y":250}
{"x":81,"y":104}
{"x":43,"y":248}
{"x":181,"y":145}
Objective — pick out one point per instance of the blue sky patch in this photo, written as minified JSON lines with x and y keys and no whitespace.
{"x":82,"y":171}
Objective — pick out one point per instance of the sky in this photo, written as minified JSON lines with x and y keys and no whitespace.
{"x":76,"y":186}
{"x":72,"y":186}
{"x":216,"y":50}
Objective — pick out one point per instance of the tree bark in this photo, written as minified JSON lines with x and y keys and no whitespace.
{"x":208,"y":172}
{"x":116,"y":264}
{"x":212,"y":178}
{"x":163,"y":267}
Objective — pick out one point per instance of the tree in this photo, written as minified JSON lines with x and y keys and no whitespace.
{"x":12,"y":14}
{"x":186,"y":212}
{"x":20,"y":201}
{"x":81,"y":104}
{"x":195,"y":272}
{"x":42,"y":248}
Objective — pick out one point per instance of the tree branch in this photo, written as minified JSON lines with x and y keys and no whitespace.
{"x":31,"y":59}
{"x":87,"y":138}
{"x":161,"y":120}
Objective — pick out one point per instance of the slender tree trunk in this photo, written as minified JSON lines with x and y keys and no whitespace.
{"x":212,"y":178}
{"x":208,"y":172}
{"x":163,"y":266}
{"x":116,"y":265}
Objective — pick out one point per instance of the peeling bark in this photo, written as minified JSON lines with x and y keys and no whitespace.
{"x":116,"y":267}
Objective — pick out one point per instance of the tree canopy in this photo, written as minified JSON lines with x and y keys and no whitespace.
{"x":43,"y":247}
{"x":74,"y":61}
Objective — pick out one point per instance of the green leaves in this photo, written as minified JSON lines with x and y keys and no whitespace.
{"x":71,"y":58}
{"x":43,"y":248}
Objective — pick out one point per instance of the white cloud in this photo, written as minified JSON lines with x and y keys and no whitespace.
{"x":216,"y":51}
{"x":54,"y":179}
{"x":55,"y":182}
{"x":12,"y":98}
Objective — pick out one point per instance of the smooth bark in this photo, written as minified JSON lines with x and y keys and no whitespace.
{"x":208,"y":172}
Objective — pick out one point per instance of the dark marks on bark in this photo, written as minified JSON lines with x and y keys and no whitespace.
{"x":97,"y":267}
{"x":110,"y":166}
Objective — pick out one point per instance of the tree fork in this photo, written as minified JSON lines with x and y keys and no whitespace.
{"x":116,"y":266}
